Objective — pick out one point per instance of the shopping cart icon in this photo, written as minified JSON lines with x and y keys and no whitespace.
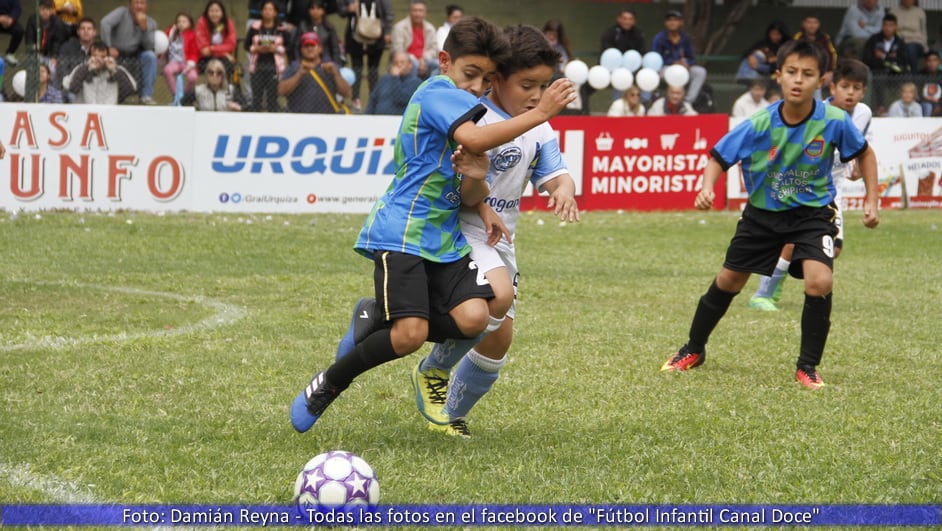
{"x":668,"y":141}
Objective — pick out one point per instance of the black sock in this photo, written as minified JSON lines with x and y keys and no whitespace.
{"x":711,"y":308}
{"x":815,"y":325}
{"x":373,"y":351}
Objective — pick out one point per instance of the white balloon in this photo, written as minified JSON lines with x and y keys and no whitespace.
{"x":622,"y":78}
{"x":577,"y":72}
{"x":610,"y":59}
{"x":348,"y":75}
{"x":631,"y":60}
{"x":19,"y":83}
{"x":647,"y":79}
{"x":161,"y":42}
{"x":676,"y":75}
{"x":652,"y":60}
{"x":599,"y":77}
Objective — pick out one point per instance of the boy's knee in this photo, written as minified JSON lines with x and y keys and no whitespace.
{"x":407,"y":336}
{"x":471,"y":317}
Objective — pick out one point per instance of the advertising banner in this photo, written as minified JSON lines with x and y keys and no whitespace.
{"x":292,"y":162}
{"x":95,"y":157}
{"x":650,"y":163}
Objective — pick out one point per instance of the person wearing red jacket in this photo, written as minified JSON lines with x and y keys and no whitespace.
{"x":182,"y":54}
{"x":216,"y":36}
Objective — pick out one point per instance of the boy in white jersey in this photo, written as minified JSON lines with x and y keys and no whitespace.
{"x":531,"y":157}
{"x":848,"y":87}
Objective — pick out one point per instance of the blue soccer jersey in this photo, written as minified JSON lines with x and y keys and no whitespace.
{"x":786,"y":166}
{"x":418,"y":214}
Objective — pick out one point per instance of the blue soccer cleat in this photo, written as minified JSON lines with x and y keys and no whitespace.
{"x":311,"y":402}
{"x":364,"y":321}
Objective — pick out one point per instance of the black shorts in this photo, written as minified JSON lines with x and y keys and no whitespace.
{"x":410,"y":286}
{"x":760,"y":235}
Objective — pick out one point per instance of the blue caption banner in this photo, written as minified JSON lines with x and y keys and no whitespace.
{"x":473,"y":515}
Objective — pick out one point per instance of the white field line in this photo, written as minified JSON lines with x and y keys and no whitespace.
{"x":57,"y":490}
{"x":225,"y":314}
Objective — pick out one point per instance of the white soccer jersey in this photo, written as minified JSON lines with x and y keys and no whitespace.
{"x":840,"y":171}
{"x":533,"y":156}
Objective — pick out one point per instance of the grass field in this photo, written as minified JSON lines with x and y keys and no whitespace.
{"x":152,"y":358}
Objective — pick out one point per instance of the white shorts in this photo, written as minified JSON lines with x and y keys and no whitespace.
{"x":487,"y":258}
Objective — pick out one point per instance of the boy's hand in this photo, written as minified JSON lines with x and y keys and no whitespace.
{"x":493,"y":225}
{"x":471,"y":165}
{"x":871,"y":215}
{"x":561,"y":93}
{"x":564,"y":206}
{"x":704,"y":200}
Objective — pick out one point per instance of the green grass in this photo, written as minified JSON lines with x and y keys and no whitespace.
{"x":149,"y":396}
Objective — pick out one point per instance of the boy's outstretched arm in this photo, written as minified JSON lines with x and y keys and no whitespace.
{"x":480,"y":139}
{"x":868,"y":167}
{"x":562,"y":198}
{"x":705,"y":197}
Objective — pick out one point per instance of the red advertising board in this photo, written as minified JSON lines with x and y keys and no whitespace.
{"x":649,"y":163}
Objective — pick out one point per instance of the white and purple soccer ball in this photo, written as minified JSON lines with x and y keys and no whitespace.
{"x":336,"y":479}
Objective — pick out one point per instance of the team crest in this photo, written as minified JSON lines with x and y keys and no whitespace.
{"x":815,"y":148}
{"x":507,"y":158}
{"x":773,"y":152}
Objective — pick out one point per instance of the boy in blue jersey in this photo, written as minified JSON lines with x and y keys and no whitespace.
{"x":848,"y":87}
{"x":531,"y":157}
{"x":786,"y":152}
{"x":426,"y":285}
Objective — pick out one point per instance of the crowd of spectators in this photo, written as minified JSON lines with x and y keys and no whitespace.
{"x":290,"y":56}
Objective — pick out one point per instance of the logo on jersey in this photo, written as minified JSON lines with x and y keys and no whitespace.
{"x":773,"y":152}
{"x":507,"y":158}
{"x":815,"y":148}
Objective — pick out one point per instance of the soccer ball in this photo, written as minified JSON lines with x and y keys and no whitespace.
{"x":336,"y":479}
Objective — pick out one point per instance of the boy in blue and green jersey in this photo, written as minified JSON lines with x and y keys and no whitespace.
{"x":786,"y":152}
{"x":426,"y":285}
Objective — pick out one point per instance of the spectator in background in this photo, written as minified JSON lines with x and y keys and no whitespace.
{"x":266,"y":43}
{"x":672,"y":104}
{"x":255,"y":10}
{"x":811,"y":31}
{"x":624,"y":35}
{"x":751,"y":101}
{"x":45,"y":91}
{"x":416,"y":35}
{"x":629,"y":104}
{"x":53,"y":33}
{"x":555,"y":34}
{"x":70,"y":12}
{"x":310,"y":85}
{"x":216,"y":94}
{"x":100,"y":79}
{"x":453,"y":14}
{"x":182,"y":54}
{"x":394,"y":89}
{"x":216,"y":36}
{"x":373,"y":51}
{"x":676,"y":48}
{"x":317,"y":23}
{"x":861,"y":20}
{"x":931,"y":79}
{"x":10,"y":11}
{"x":129,"y":34}
{"x":760,"y":60}
{"x":75,"y":52}
{"x":885,"y":52}
{"x":773,"y":94}
{"x":906,"y":106}
{"x":911,"y":25}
